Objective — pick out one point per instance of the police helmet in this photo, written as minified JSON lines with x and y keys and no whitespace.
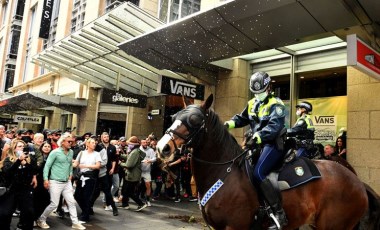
{"x":259,"y":82}
{"x":306,"y":105}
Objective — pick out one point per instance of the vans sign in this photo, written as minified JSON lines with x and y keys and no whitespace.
{"x":173,"y":86}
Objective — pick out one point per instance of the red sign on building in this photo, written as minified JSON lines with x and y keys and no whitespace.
{"x":362,"y":56}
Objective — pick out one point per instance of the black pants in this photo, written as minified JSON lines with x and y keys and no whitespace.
{"x":103,"y":184}
{"x":7,"y":206}
{"x":129,"y":191}
{"x":41,"y":199}
{"x":21,"y":197}
{"x":83,"y":195}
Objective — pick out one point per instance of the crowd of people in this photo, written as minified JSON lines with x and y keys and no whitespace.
{"x":54,"y":171}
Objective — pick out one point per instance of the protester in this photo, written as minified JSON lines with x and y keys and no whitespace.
{"x":57,"y":178}
{"x":22,"y":173}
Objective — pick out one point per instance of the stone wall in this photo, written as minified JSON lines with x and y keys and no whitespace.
{"x":231,"y":95}
{"x":363,"y":126}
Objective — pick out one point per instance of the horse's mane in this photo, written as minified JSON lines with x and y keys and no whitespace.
{"x":220,"y":134}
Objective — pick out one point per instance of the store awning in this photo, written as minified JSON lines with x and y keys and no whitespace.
{"x":240,"y":27}
{"x":91,"y":53}
{"x":35,"y":101}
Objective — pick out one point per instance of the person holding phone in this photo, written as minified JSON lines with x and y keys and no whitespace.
{"x":21,"y":171}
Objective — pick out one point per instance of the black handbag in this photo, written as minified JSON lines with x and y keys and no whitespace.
{"x":76,"y":172}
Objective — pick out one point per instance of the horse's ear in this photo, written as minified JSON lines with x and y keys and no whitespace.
{"x":185,"y":101}
{"x":207,"y":104}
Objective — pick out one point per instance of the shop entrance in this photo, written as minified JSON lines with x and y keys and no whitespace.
{"x":113,"y":123}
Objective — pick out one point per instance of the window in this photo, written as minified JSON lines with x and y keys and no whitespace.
{"x":27,"y":55}
{"x":78,"y":15}
{"x":281,"y":86}
{"x":53,"y":25}
{"x":329,"y":83}
{"x":14,"y":41}
{"x":9,"y":76}
{"x":4,"y":13}
{"x":19,"y":9}
{"x":175,"y":9}
{"x":111,"y":4}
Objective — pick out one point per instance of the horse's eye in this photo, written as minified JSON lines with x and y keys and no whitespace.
{"x":195,"y":120}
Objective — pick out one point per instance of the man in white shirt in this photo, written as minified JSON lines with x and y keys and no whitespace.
{"x":146,"y":168}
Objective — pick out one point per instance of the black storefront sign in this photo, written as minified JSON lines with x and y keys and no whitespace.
{"x":47,"y":11}
{"x":173,"y":86}
{"x":123,"y":97}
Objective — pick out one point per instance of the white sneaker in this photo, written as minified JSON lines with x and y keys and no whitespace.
{"x":108,"y":208}
{"x":42,"y":224}
{"x":78,"y":226}
{"x":148,"y":204}
{"x":139,"y":208}
{"x":65,"y":209}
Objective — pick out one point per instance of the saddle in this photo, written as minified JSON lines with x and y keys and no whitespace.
{"x":293,"y":172}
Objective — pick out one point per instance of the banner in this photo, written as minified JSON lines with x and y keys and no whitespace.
{"x":329,"y":116}
{"x":47,"y":11}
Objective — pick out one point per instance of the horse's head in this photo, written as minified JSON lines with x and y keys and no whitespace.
{"x":187,"y":125}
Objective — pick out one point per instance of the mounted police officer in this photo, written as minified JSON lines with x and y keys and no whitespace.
{"x":303,"y":130}
{"x":265,"y":114}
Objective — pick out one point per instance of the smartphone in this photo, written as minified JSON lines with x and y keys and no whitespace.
{"x":26,"y":150}
{"x":18,"y":153}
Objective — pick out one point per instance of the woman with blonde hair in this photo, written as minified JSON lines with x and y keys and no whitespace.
{"x":89,"y":163}
{"x":20,"y":170}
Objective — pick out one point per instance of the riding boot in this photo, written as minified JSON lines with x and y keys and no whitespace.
{"x":273,"y":197}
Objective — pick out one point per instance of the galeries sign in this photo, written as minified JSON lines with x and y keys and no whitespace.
{"x":173,"y":86}
{"x":123,"y":97}
{"x":27,"y":119}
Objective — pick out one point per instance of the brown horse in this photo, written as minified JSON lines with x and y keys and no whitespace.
{"x":338,"y":200}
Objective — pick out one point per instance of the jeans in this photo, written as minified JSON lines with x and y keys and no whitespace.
{"x":115,"y":184}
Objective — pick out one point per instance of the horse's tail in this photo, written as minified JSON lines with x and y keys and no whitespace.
{"x":374,"y":208}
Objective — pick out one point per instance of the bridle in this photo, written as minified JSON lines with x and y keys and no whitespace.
{"x":189,"y":140}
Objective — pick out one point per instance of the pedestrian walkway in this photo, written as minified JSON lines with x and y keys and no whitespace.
{"x":163,"y":214}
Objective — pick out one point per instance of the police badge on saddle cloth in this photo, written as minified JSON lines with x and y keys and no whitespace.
{"x":297,"y":172}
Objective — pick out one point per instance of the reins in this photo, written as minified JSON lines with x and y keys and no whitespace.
{"x":221,"y":163}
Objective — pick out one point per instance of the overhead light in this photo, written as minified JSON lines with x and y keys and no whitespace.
{"x":302,"y":77}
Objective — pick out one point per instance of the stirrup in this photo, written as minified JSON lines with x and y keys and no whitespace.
{"x":275,"y":220}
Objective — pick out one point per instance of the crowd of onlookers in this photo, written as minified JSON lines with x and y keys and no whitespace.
{"x":339,"y":149}
{"x":52,"y":171}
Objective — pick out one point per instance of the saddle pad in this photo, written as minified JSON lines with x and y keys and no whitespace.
{"x":297,"y":172}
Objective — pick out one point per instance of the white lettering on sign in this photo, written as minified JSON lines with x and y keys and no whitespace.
{"x":182,"y":88}
{"x":46,"y":12}
{"x":27,"y":119}
{"x":118,"y":97}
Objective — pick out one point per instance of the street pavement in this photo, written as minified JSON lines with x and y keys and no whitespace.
{"x":163,"y":214}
